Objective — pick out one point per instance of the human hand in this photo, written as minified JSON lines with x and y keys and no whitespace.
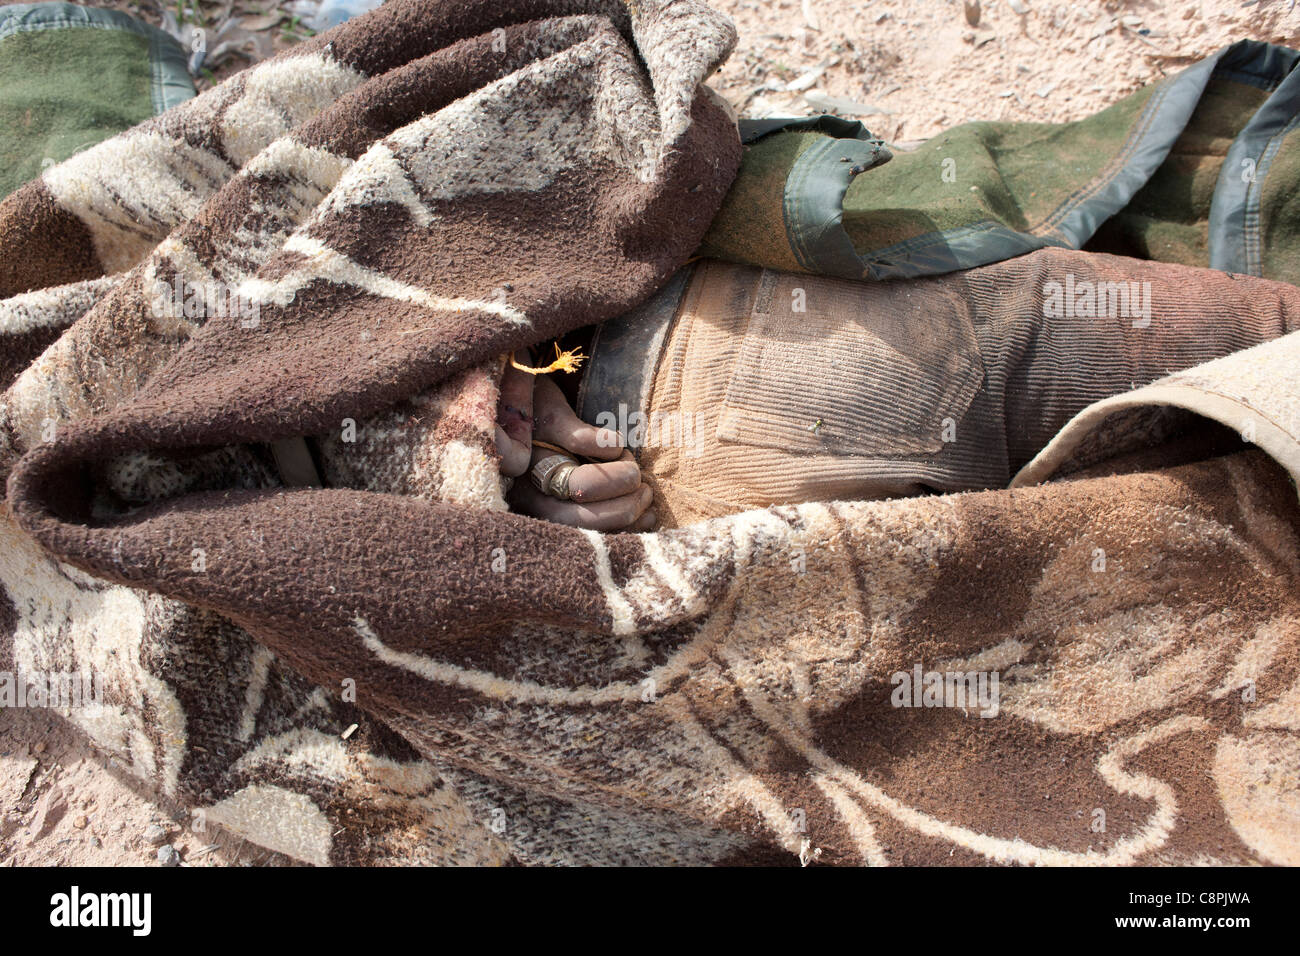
{"x":515,"y":421}
{"x":606,"y":495}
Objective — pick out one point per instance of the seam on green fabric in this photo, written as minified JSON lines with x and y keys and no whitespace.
{"x":1252,"y":225}
{"x":929,"y":240}
{"x":791,"y":209}
{"x":809,"y":161}
{"x":1235,"y":237}
{"x":1266,"y":83}
{"x":96,"y":18}
{"x":967,"y":246}
{"x":155,"y":75}
{"x":1117,"y":166}
{"x":805,"y":165}
{"x":795,"y":203}
{"x":170,"y":82}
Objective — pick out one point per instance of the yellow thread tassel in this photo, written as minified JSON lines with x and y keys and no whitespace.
{"x":564,"y":362}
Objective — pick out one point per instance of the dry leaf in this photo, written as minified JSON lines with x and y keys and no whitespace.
{"x":264,"y":22}
{"x":842,"y":105}
{"x":810,"y":16}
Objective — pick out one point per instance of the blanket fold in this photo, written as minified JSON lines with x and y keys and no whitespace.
{"x":342,"y":243}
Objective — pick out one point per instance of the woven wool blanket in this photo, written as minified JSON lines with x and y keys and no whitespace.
{"x":1099,"y":669}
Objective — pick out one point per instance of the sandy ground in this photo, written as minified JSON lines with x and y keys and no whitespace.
{"x":63,"y":804}
{"x":907,"y":68}
{"x":915,"y":67}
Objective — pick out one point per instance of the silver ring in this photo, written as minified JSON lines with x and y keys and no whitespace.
{"x":550,"y":476}
{"x":559,"y":486}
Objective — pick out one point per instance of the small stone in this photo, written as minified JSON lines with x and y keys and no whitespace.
{"x":167,"y":855}
{"x":39,"y":748}
{"x":81,"y":822}
{"x":155,"y":835}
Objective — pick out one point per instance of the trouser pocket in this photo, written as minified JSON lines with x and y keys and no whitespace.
{"x":837,"y":367}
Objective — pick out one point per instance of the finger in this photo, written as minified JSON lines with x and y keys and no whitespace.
{"x":599,"y":481}
{"x":603,"y":481}
{"x":515,"y":406}
{"x":515,"y":456}
{"x":556,"y":422}
{"x":646,"y":522}
{"x":515,"y":421}
{"x":613,"y":515}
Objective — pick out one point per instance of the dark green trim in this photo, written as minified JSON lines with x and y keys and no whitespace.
{"x":1236,"y":239}
{"x":936,"y":253}
{"x":1156,"y":130}
{"x":171,"y":82}
{"x":813,"y":202}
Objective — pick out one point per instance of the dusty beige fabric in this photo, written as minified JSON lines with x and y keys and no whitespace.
{"x":1239,"y":391}
{"x":778,"y":388}
{"x":695,"y":473}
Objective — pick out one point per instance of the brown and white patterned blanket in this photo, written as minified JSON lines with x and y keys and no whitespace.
{"x":392,"y":208}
